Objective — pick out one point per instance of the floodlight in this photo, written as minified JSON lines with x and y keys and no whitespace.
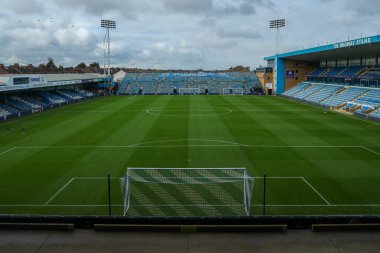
{"x":278,"y":23}
{"x":109,"y":24}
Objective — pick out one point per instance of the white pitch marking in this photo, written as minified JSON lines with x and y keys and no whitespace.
{"x":94,"y":178}
{"x":270,"y":205}
{"x":160,"y":111}
{"x":7,"y":151}
{"x":316,"y":191}
{"x":370,"y":150}
{"x":311,"y":205}
{"x":178,"y":140}
{"x":302,"y":178}
{"x":59,"y":191}
{"x":278,"y":177}
{"x":232,"y":144}
{"x":142,"y":110}
{"x":57,"y":205}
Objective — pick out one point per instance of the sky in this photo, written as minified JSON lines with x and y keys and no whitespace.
{"x":175,"y":34}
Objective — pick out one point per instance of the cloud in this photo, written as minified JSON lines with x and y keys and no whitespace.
{"x":186,"y":6}
{"x":184,"y":34}
{"x":245,"y":33}
{"x":127,"y":8}
{"x":70,"y":37}
{"x":20,"y":7}
{"x":14,"y":59}
{"x":368,"y":7}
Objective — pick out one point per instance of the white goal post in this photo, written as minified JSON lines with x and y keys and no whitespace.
{"x":189,"y":91}
{"x":187,"y":192}
{"x":233,"y":91}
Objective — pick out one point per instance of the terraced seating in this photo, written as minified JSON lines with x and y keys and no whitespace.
{"x":374,"y":72}
{"x":346,"y":96}
{"x":376,"y":114}
{"x":335,"y":71}
{"x":163,"y":83}
{"x":6,"y":111}
{"x":34,"y":101}
{"x":52,"y":98}
{"x":86,"y":93}
{"x":350,"y":105}
{"x":27,"y":102}
{"x":20,"y":105}
{"x":318,"y":71}
{"x":365,"y":108}
{"x":324,"y":93}
{"x":372,"y":98}
{"x":70,"y":94}
{"x":308,"y":91}
{"x":296,"y":89}
{"x":350,"y":71}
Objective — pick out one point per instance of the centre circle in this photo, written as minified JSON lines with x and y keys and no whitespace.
{"x":192,"y":111}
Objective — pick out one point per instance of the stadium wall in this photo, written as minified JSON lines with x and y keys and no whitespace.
{"x":279,"y":75}
{"x":295,"y":72}
{"x":264,"y":79}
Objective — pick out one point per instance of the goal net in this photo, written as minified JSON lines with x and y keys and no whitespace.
{"x":187,"y":192}
{"x":189,"y":91}
{"x":233,"y":91}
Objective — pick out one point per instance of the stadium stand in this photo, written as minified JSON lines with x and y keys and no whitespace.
{"x":350,"y":71}
{"x":335,"y":71}
{"x":51,"y":98}
{"x":372,"y":98}
{"x":344,"y":96}
{"x":70,"y":94}
{"x":169,"y":83}
{"x":318,"y":72}
{"x":87,"y":94}
{"x":309,"y":91}
{"x":373,"y":72}
{"x":376,"y":114}
{"x":297,"y":89}
{"x":359,"y":100}
{"x":324,"y":93}
{"x":20,"y":103}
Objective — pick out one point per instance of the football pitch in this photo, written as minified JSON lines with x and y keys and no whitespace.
{"x":317,"y":162}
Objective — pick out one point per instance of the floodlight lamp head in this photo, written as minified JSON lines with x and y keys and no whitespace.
{"x":109,"y":24}
{"x":278,"y":23}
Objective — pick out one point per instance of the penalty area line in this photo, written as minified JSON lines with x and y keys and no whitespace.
{"x":257,"y":205}
{"x":59,"y":191}
{"x":370,"y":150}
{"x":316,"y":191}
{"x":7,"y":151}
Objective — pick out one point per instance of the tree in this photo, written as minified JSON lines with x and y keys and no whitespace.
{"x":50,"y":64}
{"x":95,"y":65}
{"x":81,"y":65}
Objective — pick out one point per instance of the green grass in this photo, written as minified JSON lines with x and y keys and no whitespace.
{"x":317,"y":161}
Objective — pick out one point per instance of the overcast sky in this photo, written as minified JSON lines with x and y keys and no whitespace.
{"x":175,"y":34}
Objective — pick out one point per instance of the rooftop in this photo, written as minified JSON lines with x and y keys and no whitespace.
{"x":362,"y":47}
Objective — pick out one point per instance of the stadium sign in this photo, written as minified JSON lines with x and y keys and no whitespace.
{"x":200,"y":74}
{"x":290,"y":74}
{"x":37,"y":81}
{"x":353,"y":43}
{"x":4,"y":81}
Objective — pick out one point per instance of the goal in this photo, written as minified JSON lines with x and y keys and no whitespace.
{"x":233,"y":91}
{"x":189,"y":91}
{"x":187,"y":192}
